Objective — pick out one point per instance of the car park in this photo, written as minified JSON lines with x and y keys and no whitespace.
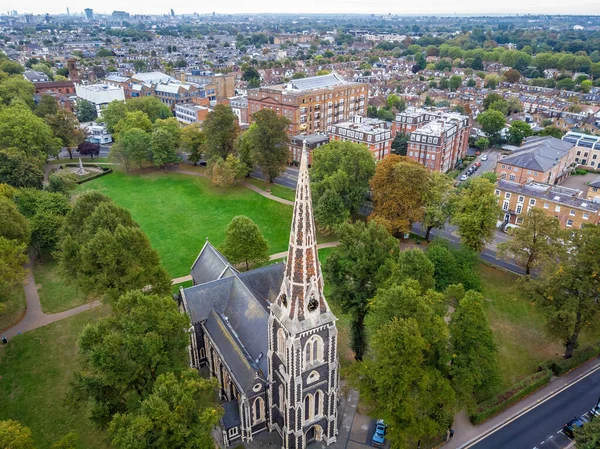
{"x":575,"y":423}
{"x":379,"y":435}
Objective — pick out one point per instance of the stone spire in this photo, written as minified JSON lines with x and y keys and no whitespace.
{"x":301,"y":296}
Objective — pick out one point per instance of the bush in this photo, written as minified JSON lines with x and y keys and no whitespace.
{"x":580,"y":171}
{"x":502,"y":401}
{"x":565,"y":365}
{"x":105,"y":171}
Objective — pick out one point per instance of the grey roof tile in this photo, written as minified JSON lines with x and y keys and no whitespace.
{"x":538,"y":153}
{"x":209,"y":265}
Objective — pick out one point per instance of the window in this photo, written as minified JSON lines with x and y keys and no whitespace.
{"x":507,"y":195}
{"x":233,"y":432}
{"x":505,"y":205}
{"x":586,"y":216}
{"x":309,"y":405}
{"x":557,"y":209}
{"x":281,"y":397}
{"x":519,"y":208}
{"x":546,"y":205}
{"x":520,"y":199}
{"x":519,"y":220}
{"x":258,"y":410}
{"x":569,"y":223}
{"x":511,"y":177}
{"x":313,"y":351}
{"x":497,"y":192}
{"x":572,"y":212}
{"x":532,"y":201}
{"x":319,"y":396}
{"x":281,"y":345}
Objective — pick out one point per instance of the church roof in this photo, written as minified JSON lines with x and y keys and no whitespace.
{"x":209,"y":265}
{"x":231,"y":417}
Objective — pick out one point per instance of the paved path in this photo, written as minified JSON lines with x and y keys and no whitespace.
{"x":34,"y":317}
{"x":266,"y":194}
{"x":271,"y":257}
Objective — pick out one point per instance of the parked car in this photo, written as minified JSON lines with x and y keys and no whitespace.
{"x":575,"y":423}
{"x":477,"y":164}
{"x":484,"y":157}
{"x":379,"y":435}
{"x":464,"y":177}
{"x":594,"y":412}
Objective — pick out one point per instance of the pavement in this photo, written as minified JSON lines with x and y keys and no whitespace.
{"x":34,"y":316}
{"x":534,"y":422}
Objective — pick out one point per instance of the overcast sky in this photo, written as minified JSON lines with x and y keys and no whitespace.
{"x":428,"y":7}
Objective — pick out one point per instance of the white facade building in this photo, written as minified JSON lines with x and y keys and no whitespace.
{"x":99,"y":94}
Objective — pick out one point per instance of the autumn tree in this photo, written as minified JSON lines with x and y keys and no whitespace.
{"x":244,"y":243}
{"x":437,"y":202}
{"x":398,"y":188}
{"x":268,"y":141}
{"x":353,"y":270}
{"x":339,"y":177}
{"x":476,"y":213}
{"x":65,"y":126}
{"x":567,"y":288}
{"x":221,"y":130}
{"x":535,"y":241}
{"x":14,"y":435}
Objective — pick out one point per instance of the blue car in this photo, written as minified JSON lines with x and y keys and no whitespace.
{"x":575,"y":423}
{"x":379,"y":435}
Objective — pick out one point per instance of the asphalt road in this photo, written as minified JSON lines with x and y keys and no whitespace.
{"x":486,"y":166}
{"x":541,"y":428}
{"x":288,"y":179}
{"x":64,"y":154}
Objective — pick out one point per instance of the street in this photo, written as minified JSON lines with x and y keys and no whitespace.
{"x":486,"y":166}
{"x":541,"y":427}
{"x":64,"y":154}
{"x":288,"y":179}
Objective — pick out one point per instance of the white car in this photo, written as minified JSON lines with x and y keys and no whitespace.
{"x":464,"y":177}
{"x":595,"y":411}
{"x":484,"y":157}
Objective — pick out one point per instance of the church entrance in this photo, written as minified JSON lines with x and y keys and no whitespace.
{"x":315,"y":433}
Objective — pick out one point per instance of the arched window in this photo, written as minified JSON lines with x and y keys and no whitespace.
{"x":281,"y":344}
{"x":281,"y":398}
{"x":319,"y":397}
{"x":309,"y":407}
{"x":313,"y":351}
{"x":258,"y":410}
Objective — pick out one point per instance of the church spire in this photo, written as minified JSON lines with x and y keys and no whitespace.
{"x":301,"y":296}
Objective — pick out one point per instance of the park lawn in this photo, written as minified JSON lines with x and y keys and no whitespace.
{"x":276,"y":190}
{"x":35,"y":371}
{"x":518,"y":327}
{"x":15,"y":305}
{"x":179,"y":212}
{"x":56,"y":294}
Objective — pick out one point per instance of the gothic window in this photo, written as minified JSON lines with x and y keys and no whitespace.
{"x":281,"y":398}
{"x":312,"y":377}
{"x":281,"y":345}
{"x":309,"y":406}
{"x":284,"y":300}
{"x":258,"y":410}
{"x":313,"y":351}
{"x":319,"y":403}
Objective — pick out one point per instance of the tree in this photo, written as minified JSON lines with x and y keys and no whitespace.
{"x":21,"y":129}
{"x":32,"y":201}
{"x":13,"y":225}
{"x":149,"y":105}
{"x":45,"y":232}
{"x":398,"y":187}
{"x":474,"y":366}
{"x":482,"y":143}
{"x":423,"y":404}
{"x":567,"y":287}
{"x":552,"y":131}
{"x":86,"y":148}
{"x":123,"y":354}
{"x":62,"y":182}
{"x":244,"y":242}
{"x":491,"y":123}
{"x":179,"y":414}
{"x":133,"y":119}
{"x":164,"y":147}
{"x":69,"y":441}
{"x":46,"y":106}
{"x":133,"y":147}
{"x":514,"y":105}
{"x":437,"y":202}
{"x":534,"y":242}
{"x":19,"y":170}
{"x":114,"y":112}
{"x":251,"y":74}
{"x":518,"y":131}
{"x":400,"y":144}
{"x":453,"y":265}
{"x":455,"y":82}
{"x":86,"y":111}
{"x":15,"y":89}
{"x":268,"y":141}
{"x":412,"y":264}
{"x":12,"y":259}
{"x":352,"y":271}
{"x":476,"y":213}
{"x":14,"y":435}
{"x":340,"y":176}
{"x":221,"y":173}
{"x":512,"y":76}
{"x":491,"y":98}
{"x":221,"y":129}
{"x":192,"y":142}
{"x":65,"y":126}
{"x":588,"y":436}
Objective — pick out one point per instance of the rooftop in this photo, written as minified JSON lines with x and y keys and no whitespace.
{"x":556,"y":194}
{"x":538,"y":153}
{"x":363,"y":124}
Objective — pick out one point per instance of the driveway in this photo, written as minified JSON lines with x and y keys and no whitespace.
{"x":579,"y":182}
{"x":486,"y":166}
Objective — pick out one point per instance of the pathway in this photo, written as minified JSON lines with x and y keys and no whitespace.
{"x":34,"y":316}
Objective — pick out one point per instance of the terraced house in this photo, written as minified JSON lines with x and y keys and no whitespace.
{"x":269,"y":338}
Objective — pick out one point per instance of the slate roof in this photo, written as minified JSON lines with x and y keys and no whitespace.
{"x":231,"y":417}
{"x":317,"y":82}
{"x":538,"y":153}
{"x":595,"y":182}
{"x":209,"y":265}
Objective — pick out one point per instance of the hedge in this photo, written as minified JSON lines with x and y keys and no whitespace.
{"x":563,"y":366}
{"x":105,"y":171}
{"x":508,"y":397}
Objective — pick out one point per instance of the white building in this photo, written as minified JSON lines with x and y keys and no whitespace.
{"x":189,"y":113}
{"x":99,"y":94}
{"x":98,"y":134}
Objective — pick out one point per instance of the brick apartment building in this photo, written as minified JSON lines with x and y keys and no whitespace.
{"x":219,"y":86}
{"x":546,"y":160}
{"x":374,"y":133}
{"x":311,"y":104}
{"x":312,"y":141}
{"x":438,"y":139}
{"x":569,"y":206}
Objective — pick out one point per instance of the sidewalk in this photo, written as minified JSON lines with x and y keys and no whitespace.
{"x":465,"y":432}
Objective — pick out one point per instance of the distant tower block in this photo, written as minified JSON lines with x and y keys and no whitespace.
{"x":89,"y":14}
{"x":72,"y":67}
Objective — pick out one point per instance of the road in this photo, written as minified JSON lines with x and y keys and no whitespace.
{"x":541,"y":427}
{"x":64,"y":154}
{"x":486,"y":166}
{"x":288,"y":179}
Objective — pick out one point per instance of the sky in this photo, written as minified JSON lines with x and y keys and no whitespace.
{"x":427,"y":7}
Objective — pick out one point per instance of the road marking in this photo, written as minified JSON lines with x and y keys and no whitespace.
{"x":517,"y":415}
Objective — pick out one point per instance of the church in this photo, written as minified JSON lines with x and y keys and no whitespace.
{"x":269,"y":338}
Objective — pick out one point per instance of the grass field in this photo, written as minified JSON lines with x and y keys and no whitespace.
{"x":14,"y":306}
{"x":36,"y":369}
{"x":276,"y":190}
{"x":178,"y":212}
{"x":56,"y":295}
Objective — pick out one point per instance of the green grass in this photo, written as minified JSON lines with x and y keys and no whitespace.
{"x":14,"y":305}
{"x":175,"y":287}
{"x":178,"y":212}
{"x":276,"y":190}
{"x":75,"y":160}
{"x":517,"y":325}
{"x":56,"y":294}
{"x":35,"y":371}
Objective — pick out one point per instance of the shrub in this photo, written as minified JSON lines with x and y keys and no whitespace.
{"x":503,"y":400}
{"x":565,"y":365}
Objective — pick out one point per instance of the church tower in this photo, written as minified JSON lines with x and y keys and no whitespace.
{"x":302,"y":354}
